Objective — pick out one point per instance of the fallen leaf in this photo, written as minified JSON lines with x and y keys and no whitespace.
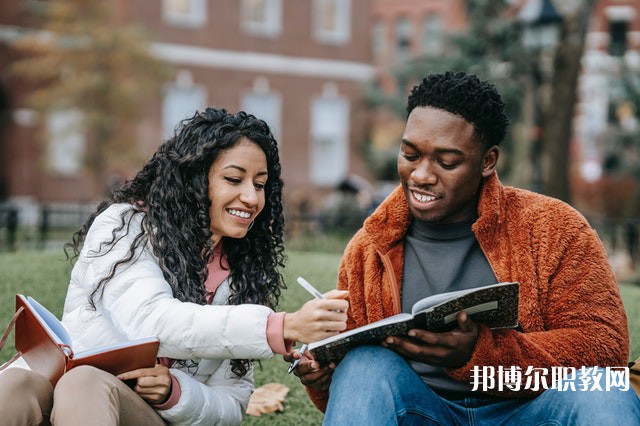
{"x":267,"y":399}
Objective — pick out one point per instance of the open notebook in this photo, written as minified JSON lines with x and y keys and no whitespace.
{"x":47,"y":348}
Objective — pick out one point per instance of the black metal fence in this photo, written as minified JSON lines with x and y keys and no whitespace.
{"x":50,"y":225}
{"x":8,"y":227}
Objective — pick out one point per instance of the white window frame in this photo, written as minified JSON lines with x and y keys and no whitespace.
{"x":66,"y":147}
{"x":270,"y":27}
{"x":173,"y":114}
{"x":341,"y":34}
{"x":379,"y":40}
{"x":399,"y":29}
{"x":433,"y":46}
{"x":196,"y":17}
{"x":273,"y":117}
{"x":325,"y":171}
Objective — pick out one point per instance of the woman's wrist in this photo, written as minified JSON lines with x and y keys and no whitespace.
{"x":289,"y":328}
{"x":175,"y":391}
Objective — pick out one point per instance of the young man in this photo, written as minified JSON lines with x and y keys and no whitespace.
{"x":451,"y":225}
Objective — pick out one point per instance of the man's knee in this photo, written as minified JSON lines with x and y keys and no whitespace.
{"x":369,"y":359}
{"x":377,"y":381}
{"x":373,"y":367}
{"x":594,"y":405}
{"x":595,"y":398}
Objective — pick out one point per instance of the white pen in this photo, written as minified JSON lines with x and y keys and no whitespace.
{"x":311,"y":289}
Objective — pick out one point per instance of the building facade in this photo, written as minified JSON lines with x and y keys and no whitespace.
{"x":299,"y":65}
{"x":611,"y":61}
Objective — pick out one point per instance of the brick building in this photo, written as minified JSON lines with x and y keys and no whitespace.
{"x":402,"y":29}
{"x":299,"y":65}
{"x":612,"y":53}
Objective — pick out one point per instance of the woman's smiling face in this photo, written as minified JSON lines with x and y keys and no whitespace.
{"x":237,"y":180}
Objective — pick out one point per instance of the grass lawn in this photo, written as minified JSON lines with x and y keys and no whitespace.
{"x":45,"y":275}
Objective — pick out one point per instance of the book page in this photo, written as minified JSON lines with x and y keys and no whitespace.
{"x":336,"y":347}
{"x":112,"y":347}
{"x":50,"y":322}
{"x":438,"y":299}
{"x":496,"y":306}
{"x":389,"y":320}
{"x":482,"y":307}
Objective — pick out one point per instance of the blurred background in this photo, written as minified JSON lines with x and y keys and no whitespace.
{"x":89,"y":90}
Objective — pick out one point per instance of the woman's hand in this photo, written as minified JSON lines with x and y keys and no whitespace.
{"x":318,"y":318}
{"x":152,"y":384}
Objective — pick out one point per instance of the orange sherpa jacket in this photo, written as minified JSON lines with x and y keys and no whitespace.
{"x":570,"y":310}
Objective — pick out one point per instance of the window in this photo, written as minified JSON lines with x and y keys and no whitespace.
{"x":403,"y":39}
{"x":332,"y":20}
{"x":618,"y":34}
{"x":185,"y":13}
{"x":265,"y":105}
{"x":379,"y":40}
{"x":329,"y":140}
{"x":262,"y":17}
{"x":180,"y":103}
{"x":432,"y":35}
{"x":66,"y":147}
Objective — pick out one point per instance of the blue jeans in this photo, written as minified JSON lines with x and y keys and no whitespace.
{"x":375,"y":386}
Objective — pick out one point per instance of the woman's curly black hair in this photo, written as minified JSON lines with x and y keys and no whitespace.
{"x":464,"y":95}
{"x":171,"y":194}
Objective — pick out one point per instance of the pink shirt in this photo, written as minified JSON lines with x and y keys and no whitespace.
{"x":218,"y":272}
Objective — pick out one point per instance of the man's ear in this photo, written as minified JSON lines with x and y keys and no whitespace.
{"x":490,"y":161}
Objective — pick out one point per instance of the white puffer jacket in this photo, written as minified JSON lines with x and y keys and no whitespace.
{"x":138,"y":302}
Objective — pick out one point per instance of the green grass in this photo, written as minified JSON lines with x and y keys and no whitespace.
{"x":321,"y":270}
{"x":45,"y":275}
{"x":631,"y":299}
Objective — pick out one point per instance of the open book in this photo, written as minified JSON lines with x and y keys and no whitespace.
{"x":495,"y":306}
{"x":46,"y":346}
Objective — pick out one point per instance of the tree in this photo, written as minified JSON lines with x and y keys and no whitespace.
{"x":84,"y":60}
{"x":487,"y":49}
{"x":558,"y":123}
{"x":491,"y":48}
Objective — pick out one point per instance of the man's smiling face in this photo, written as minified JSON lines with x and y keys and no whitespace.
{"x":441,"y":164}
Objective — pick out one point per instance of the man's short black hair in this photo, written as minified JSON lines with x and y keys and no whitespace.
{"x":464,"y":95}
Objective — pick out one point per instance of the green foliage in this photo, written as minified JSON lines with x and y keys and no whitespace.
{"x":85,"y":60}
{"x":489,"y":48}
{"x":45,"y":275}
{"x":631,"y":299}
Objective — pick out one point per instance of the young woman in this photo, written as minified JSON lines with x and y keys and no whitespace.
{"x":188,"y":251}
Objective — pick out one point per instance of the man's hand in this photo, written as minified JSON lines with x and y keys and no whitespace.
{"x":309,"y":371}
{"x":449,"y":350}
{"x":152,"y":384}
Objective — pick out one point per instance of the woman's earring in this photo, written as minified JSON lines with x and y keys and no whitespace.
{"x":250,"y":226}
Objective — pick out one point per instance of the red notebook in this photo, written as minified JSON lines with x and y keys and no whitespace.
{"x":45,"y":345}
